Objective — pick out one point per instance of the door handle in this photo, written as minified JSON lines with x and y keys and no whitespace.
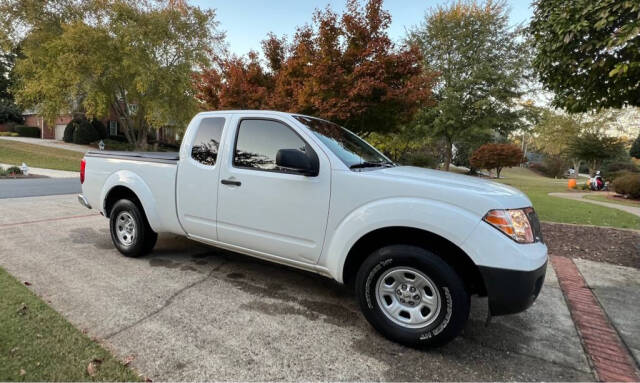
{"x":231,"y":182}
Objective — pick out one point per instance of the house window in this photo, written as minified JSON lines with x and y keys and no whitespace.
{"x":113,"y":128}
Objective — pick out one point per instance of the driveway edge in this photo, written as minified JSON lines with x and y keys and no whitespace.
{"x":605,"y":350}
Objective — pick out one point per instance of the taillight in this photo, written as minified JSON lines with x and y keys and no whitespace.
{"x":83,"y":165}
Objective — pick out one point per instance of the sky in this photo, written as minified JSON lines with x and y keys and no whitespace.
{"x":247,"y":22}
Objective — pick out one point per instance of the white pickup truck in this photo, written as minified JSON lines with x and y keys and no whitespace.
{"x":301,"y":191}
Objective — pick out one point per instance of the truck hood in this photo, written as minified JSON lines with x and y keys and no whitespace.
{"x":507,"y":196}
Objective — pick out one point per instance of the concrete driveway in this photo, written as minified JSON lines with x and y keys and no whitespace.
{"x":191,"y":312}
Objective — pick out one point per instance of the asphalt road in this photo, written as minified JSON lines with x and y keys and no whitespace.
{"x":190,"y":312}
{"x":32,"y":187}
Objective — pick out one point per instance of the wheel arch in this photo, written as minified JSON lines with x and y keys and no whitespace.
{"x":126,"y":184}
{"x":117,"y":193}
{"x":455,"y":257}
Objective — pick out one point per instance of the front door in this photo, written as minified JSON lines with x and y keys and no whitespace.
{"x":198,"y":177}
{"x":270,"y":209}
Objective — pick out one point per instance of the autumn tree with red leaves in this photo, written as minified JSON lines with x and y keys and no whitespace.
{"x":343,"y":68}
{"x":496,"y":156}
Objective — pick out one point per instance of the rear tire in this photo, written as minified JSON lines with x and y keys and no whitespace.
{"x":411,"y":296}
{"x":130,"y":230}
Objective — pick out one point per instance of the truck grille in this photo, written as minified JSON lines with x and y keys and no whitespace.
{"x":535,"y":224}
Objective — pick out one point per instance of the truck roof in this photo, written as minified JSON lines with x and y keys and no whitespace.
{"x":248,"y":111}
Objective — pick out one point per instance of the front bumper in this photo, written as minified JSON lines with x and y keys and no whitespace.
{"x":512,"y":291}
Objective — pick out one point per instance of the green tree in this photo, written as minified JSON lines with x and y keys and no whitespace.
{"x":588,"y":52}
{"x":9,"y":111}
{"x":6,"y":63}
{"x":635,"y":148}
{"x":553,"y":134}
{"x":594,"y":147}
{"x":135,"y":58}
{"x":481,"y":61}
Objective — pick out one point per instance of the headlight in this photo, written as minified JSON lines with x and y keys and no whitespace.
{"x":513,"y":222}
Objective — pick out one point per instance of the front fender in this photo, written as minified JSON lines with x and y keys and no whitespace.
{"x":448,"y":221}
{"x":136,"y":184}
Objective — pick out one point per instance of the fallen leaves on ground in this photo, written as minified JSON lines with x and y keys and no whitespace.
{"x":23,"y":309}
{"x":128,"y":360}
{"x":93,"y":367}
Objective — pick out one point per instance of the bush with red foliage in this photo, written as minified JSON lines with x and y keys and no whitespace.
{"x":497,"y":156}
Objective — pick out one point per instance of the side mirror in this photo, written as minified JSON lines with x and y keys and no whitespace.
{"x":297,"y":161}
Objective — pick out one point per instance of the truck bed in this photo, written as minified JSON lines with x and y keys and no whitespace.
{"x":162,"y":157}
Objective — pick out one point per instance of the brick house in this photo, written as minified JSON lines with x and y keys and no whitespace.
{"x":49,"y":131}
{"x":55,"y":131}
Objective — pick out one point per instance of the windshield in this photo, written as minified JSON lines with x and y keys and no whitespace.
{"x":355,"y":152}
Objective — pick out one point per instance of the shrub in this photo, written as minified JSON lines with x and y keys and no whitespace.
{"x":69,"y":130}
{"x":12,"y":170}
{"x":628,"y":185}
{"x":27,"y":131}
{"x":613,"y":170}
{"x":101,"y":130}
{"x":635,"y":148}
{"x":421,"y":159}
{"x":84,"y":133}
{"x":496,"y":156}
{"x":554,"y":167}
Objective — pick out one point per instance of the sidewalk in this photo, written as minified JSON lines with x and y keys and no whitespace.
{"x":578,"y":197}
{"x":48,"y":172}
{"x":49,"y":143}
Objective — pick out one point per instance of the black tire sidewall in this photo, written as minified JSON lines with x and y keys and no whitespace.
{"x":454,"y":309}
{"x":137,"y":248}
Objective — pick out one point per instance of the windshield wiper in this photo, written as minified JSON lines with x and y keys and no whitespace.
{"x":367,"y":164}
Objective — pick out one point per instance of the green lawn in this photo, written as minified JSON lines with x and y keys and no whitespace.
{"x":619,"y":201}
{"x":38,"y":156}
{"x":561,"y":210}
{"x":38,"y":344}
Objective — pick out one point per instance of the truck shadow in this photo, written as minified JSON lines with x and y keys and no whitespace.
{"x":293,"y":292}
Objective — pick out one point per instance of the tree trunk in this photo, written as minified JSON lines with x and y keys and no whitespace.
{"x":592,"y":168}
{"x":576,"y":167}
{"x":448,"y":154}
{"x":498,"y":170}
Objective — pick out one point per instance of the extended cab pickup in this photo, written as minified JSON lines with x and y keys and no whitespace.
{"x":415,"y":243}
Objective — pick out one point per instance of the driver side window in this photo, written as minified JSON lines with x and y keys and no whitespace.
{"x":259,"y":141}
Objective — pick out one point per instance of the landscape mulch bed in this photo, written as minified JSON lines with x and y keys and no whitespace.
{"x":601,"y":244}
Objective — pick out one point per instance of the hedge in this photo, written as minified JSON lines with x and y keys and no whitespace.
{"x":27,"y":131}
{"x":68,"y":130}
{"x":101,"y":130}
{"x":85,"y":133}
{"x":628,"y":185}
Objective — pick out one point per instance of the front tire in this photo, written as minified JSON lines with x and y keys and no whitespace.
{"x":411,"y":296}
{"x":130,"y":231}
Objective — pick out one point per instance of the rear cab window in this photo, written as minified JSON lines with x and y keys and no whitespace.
{"x":206,"y":142}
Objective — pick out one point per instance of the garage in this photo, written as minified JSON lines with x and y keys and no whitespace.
{"x":59,"y":132}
